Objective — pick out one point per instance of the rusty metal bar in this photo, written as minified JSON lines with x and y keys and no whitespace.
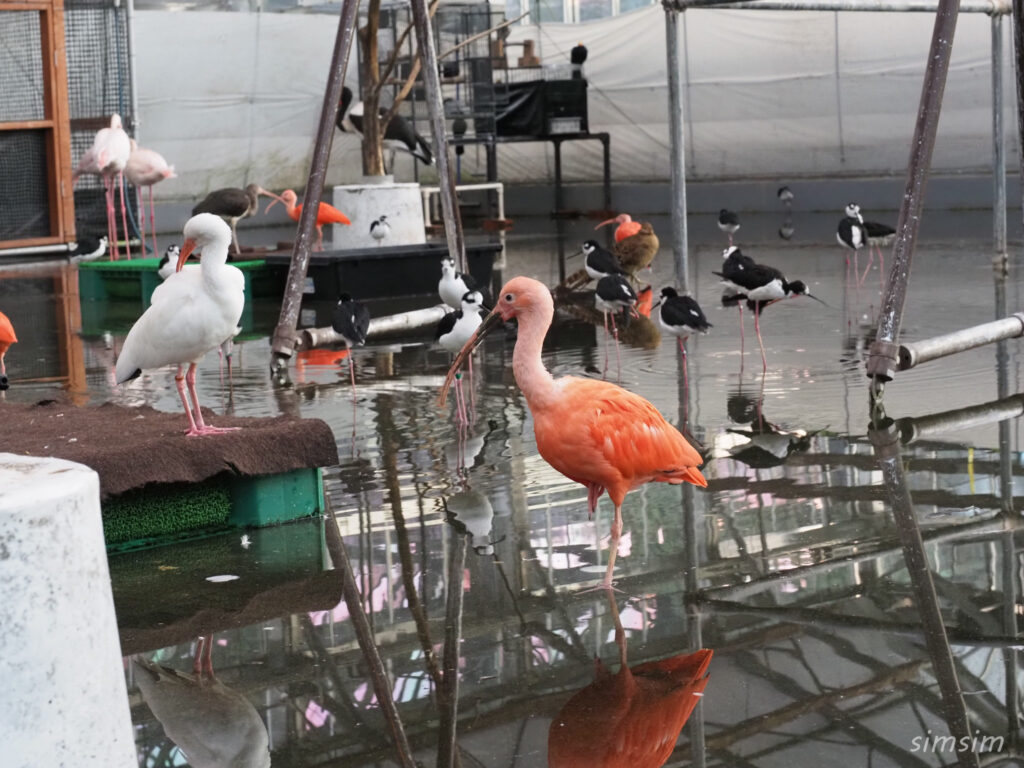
{"x":283,"y":342}
{"x":882,"y":359}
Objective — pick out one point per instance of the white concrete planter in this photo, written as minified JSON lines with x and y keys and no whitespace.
{"x":364,"y":203}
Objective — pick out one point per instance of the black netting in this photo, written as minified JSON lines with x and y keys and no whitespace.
{"x":24,"y":193}
{"x":95,"y":32}
{"x":21,"y":67}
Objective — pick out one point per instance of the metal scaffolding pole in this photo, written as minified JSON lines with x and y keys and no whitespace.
{"x":680,"y":247}
{"x":884,"y":351}
{"x":998,"y":140}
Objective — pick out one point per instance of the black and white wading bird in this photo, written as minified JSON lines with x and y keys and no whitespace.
{"x":734,"y":265}
{"x":88,"y":249}
{"x":191,"y":312}
{"x":851,"y":234}
{"x":728,"y":222}
{"x":380,"y":229}
{"x":399,"y":133}
{"x":614,"y":293}
{"x":453,"y":331}
{"x":764,"y":285}
{"x":453,"y":284}
{"x":876,"y":235}
{"x":680,"y":316}
{"x":351,"y":321}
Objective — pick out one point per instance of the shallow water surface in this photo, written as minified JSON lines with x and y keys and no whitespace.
{"x":800,"y":566}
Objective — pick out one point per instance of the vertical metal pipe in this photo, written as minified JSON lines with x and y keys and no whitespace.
{"x":883,"y":357}
{"x":838,"y":87}
{"x":680,"y":249}
{"x":133,"y":85}
{"x":1018,"y":62}
{"x":435,"y":108}
{"x":559,"y":201}
{"x":283,"y":342}
{"x":998,"y":140}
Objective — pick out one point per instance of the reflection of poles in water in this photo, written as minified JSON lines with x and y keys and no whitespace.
{"x":887,"y":451}
{"x":447,"y":748}
{"x":378,"y":675}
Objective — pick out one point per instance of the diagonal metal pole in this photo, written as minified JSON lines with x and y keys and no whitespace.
{"x":435,"y":108}
{"x":883,"y":356}
{"x":283,"y":342}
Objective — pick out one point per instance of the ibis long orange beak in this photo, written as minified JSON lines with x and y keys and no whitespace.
{"x":186,"y":251}
{"x":271,"y":203}
{"x":492,"y":321}
{"x":606,"y":223}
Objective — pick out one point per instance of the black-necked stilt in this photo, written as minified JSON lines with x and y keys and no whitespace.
{"x":785,"y":195}
{"x":453,"y":331}
{"x":453,"y":285}
{"x":765,"y":285}
{"x":612,"y":294}
{"x":380,"y":229}
{"x":399,"y":133}
{"x":232,"y":204}
{"x":168,"y":262}
{"x":787,"y":230}
{"x":734,"y":266}
{"x":577,"y":55}
{"x":850,"y":234}
{"x":600,"y":262}
{"x":351,"y":321}
{"x":876,"y":235}
{"x":88,"y":249}
{"x":682,"y":317}
{"x":728,"y":222}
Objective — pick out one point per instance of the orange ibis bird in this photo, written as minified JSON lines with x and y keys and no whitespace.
{"x":637,"y":251}
{"x":728,"y":222}
{"x":108,"y":157}
{"x":681,"y":316}
{"x":7,"y":337}
{"x":593,"y":432}
{"x":398,"y":133}
{"x":191,"y":312}
{"x":146,"y":168}
{"x":351,"y":321}
{"x":630,"y":719}
{"x":453,"y":284}
{"x":453,"y":331}
{"x":852,"y":235}
{"x":232,"y":204}
{"x":876,"y":235}
{"x":212,"y":724}
{"x":326,"y":214}
{"x":626,"y":226}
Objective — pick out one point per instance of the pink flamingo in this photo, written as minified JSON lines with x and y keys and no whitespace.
{"x":146,"y":168}
{"x":108,"y":157}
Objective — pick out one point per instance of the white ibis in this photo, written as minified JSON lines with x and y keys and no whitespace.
{"x":453,"y":284}
{"x":108,"y":157}
{"x":453,"y":331}
{"x":7,"y":337}
{"x":876,"y":235}
{"x":380,"y":229}
{"x":88,"y":249}
{"x":213,"y":725}
{"x":728,"y":222}
{"x":192,"y":312}
{"x":613,"y":293}
{"x":232,"y":204}
{"x":850,"y":234}
{"x":146,"y":168}
{"x":351,"y":321}
{"x":681,"y":316}
{"x":398,"y":134}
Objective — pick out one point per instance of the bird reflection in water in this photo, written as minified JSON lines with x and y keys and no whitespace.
{"x":630,"y":719}
{"x":213,"y":725}
{"x":471,"y":513}
{"x":766,"y":444}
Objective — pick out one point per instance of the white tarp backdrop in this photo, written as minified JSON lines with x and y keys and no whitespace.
{"x":232,"y":98}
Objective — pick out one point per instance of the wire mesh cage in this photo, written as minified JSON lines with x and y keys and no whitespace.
{"x":99,"y":85}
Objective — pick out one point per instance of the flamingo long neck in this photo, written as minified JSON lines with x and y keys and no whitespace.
{"x":537,"y":384}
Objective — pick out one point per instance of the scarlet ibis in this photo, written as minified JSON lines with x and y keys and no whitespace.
{"x":326,"y":214}
{"x":351,"y":321}
{"x":593,"y":432}
{"x":380,"y":229}
{"x":876,"y":235}
{"x":146,"y":168}
{"x":7,"y":337}
{"x":627,"y":227}
{"x":637,"y":251}
{"x":232,"y":204}
{"x":108,"y":157}
{"x":681,"y":316}
{"x":728,"y":222}
{"x":212,"y":724}
{"x":630,"y":719}
{"x":453,"y":284}
{"x":192,"y":312}
{"x":453,"y":331}
{"x":852,"y":235}
{"x":398,"y":134}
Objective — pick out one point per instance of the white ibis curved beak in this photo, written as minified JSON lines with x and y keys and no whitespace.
{"x":186,"y":250}
{"x":492,"y":321}
{"x":272,"y":202}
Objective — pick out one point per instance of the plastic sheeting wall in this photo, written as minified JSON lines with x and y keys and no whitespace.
{"x":232,"y":98}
